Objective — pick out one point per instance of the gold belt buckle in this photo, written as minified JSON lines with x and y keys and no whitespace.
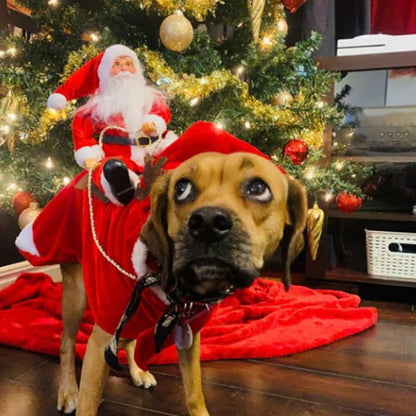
{"x":149,"y":141}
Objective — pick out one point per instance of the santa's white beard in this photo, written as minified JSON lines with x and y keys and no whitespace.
{"x":123,"y":94}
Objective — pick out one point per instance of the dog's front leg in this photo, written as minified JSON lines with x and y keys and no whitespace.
{"x":73,"y":305}
{"x":189,"y":364}
{"x":94,"y":373}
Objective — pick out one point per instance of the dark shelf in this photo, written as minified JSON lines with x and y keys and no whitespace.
{"x":372,"y":215}
{"x":344,"y":275}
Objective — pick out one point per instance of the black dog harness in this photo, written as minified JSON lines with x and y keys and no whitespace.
{"x":179,"y":312}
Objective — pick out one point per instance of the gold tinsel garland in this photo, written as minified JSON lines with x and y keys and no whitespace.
{"x":50,"y":117}
{"x":190,"y":87}
{"x":197,"y":8}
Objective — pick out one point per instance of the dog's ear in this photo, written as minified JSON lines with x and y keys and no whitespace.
{"x":293,"y":239}
{"x":154,"y":232}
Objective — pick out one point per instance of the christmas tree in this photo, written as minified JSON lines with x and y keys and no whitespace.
{"x":221,"y":61}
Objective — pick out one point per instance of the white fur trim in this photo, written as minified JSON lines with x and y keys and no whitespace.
{"x":168,"y":140}
{"x":139,"y":261}
{"x":25,"y":242}
{"x":56,"y":101}
{"x":159,"y":122}
{"x":138,"y":153}
{"x":134,"y":180}
{"x":88,"y":152}
{"x":160,"y":293}
{"x":139,"y":257}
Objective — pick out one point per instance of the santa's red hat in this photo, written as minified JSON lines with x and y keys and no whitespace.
{"x":91,"y":76}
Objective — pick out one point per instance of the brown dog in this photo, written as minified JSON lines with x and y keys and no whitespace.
{"x":214,"y":221}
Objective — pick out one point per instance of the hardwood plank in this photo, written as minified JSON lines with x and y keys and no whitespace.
{"x":20,"y":399}
{"x":14,"y":362}
{"x":221,"y":399}
{"x":346,"y":392}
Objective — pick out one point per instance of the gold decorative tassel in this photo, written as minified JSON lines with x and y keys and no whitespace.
{"x":314,"y":225}
{"x":255,"y":8}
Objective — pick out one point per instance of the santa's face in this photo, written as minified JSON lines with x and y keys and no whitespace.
{"x":122,"y":64}
{"x":123,"y":92}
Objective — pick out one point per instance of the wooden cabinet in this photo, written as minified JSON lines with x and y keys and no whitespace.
{"x":342,"y":254}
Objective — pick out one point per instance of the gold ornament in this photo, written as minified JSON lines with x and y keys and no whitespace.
{"x":283,"y":98}
{"x":28,"y":215}
{"x":176,"y":32}
{"x":282,"y":26}
{"x":256,"y":8}
{"x":314,"y":225}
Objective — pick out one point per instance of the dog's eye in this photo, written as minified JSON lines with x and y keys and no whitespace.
{"x":183,"y":189}
{"x":258,"y":190}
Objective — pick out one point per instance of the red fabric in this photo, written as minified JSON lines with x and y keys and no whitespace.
{"x":258,"y":322}
{"x":57,"y":231}
{"x":396,"y":17}
{"x":117,"y":229}
{"x":58,"y":228}
{"x":82,"y":82}
{"x":85,"y":132}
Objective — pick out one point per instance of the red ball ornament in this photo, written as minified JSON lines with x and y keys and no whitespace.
{"x":348,"y":202}
{"x":293,"y":5}
{"x":21,"y":201}
{"x":297,"y":150}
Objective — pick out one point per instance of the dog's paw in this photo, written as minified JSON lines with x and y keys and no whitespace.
{"x":142,"y":378}
{"x":67,"y":398}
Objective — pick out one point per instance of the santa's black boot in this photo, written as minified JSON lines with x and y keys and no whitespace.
{"x":117,"y":176}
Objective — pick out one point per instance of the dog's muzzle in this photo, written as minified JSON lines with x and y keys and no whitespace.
{"x":212,"y":255}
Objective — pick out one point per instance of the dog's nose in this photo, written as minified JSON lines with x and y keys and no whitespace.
{"x":210,"y":223}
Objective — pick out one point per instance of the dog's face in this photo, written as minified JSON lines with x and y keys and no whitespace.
{"x":218,"y":217}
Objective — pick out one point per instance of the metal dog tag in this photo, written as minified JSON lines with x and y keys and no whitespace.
{"x":183,"y":336}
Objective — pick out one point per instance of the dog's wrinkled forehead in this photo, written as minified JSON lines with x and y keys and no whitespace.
{"x":226,"y":175}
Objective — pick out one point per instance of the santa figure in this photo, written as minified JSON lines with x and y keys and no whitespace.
{"x":124,"y":119}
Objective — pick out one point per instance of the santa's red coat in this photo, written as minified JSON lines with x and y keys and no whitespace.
{"x":62,"y":234}
{"x":86,"y":133}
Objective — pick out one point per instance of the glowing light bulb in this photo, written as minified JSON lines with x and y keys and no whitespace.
{"x":194,"y":101}
{"x":266,"y":42}
{"x":49,"y":163}
{"x":53,"y":3}
{"x":220,"y":125}
{"x":328,"y":196}
{"x":5,"y":128}
{"x":247,"y":125}
{"x":94,"y":37}
{"x":339,"y":165}
{"x":2,"y":54}
{"x":240,"y":70}
{"x":12,"y":51}
{"x":309,"y":174}
{"x":12,"y":186}
{"x":66,"y":180}
{"x":12,"y":116}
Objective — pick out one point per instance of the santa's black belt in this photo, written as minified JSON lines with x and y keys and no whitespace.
{"x":142,"y":141}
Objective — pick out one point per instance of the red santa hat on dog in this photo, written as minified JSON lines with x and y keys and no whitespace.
{"x":91,"y":76}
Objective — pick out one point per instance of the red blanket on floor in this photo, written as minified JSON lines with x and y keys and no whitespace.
{"x":258,"y":322}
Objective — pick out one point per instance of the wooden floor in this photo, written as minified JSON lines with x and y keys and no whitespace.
{"x":372,"y":373}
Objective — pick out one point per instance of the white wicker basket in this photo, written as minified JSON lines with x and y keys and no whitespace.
{"x":386,"y":256}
